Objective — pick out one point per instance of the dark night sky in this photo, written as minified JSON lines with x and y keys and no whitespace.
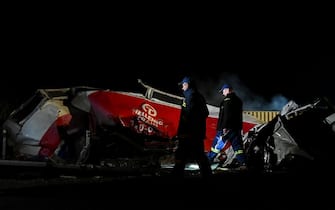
{"x":259,"y":79}
{"x":50,"y":52}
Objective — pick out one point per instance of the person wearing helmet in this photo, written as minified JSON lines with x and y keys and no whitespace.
{"x":229,"y":128}
{"x":192,"y":131}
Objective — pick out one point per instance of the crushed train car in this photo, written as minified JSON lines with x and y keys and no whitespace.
{"x":299,"y":137}
{"x":85,"y":126}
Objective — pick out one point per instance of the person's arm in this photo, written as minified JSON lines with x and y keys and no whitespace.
{"x":228,"y":114}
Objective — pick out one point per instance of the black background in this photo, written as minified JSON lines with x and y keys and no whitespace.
{"x":71,"y":46}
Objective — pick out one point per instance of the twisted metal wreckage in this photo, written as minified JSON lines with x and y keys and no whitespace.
{"x":84,"y":129}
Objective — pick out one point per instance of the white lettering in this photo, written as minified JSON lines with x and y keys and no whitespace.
{"x":148,"y":115}
{"x":149,"y":109}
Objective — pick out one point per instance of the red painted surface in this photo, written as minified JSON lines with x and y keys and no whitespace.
{"x":146,"y":116}
{"x":64,"y":120}
{"x":140,"y":114}
{"x":50,"y":141}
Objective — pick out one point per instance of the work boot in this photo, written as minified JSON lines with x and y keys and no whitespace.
{"x":242,"y":167}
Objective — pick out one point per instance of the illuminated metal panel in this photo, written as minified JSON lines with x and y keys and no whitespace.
{"x":264,"y":116}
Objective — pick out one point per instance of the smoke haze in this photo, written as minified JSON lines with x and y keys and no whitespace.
{"x":251,"y":101}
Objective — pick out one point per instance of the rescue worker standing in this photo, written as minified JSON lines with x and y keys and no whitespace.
{"x":192,"y":131}
{"x":229,"y":127}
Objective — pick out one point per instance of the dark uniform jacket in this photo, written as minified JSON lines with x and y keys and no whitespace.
{"x":230,"y":115}
{"x":193,"y":115}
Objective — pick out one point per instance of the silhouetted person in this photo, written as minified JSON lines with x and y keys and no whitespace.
{"x":192,"y":131}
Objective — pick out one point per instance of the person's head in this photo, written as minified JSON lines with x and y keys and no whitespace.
{"x":186,"y":83}
{"x":225,"y":89}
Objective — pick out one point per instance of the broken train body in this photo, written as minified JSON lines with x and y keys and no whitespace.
{"x":92,"y":128}
{"x":85,"y":126}
{"x":300,"y":137}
